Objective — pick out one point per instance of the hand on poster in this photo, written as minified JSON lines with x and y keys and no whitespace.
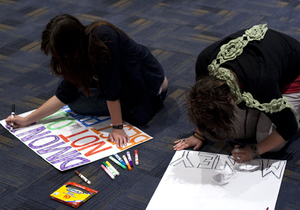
{"x":241,"y":154}
{"x":119,"y":137}
{"x":17,"y":121}
{"x":186,"y":143}
{"x":67,"y":140}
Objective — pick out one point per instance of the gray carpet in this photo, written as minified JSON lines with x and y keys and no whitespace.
{"x":176,"y":32}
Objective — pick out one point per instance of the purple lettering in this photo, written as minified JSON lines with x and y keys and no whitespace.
{"x":64,"y":166}
{"x":64,"y":157}
{"x":56,"y":138}
{"x":33,"y":133}
{"x":61,"y":155}
{"x":51,"y":148}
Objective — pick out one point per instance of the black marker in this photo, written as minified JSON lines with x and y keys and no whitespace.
{"x":12,"y":116}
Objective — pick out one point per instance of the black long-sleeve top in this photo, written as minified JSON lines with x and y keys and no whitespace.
{"x":263,"y":69}
{"x":134,"y":75}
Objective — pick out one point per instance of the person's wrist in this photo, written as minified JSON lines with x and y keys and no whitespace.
{"x":199,"y":136}
{"x":28,"y":120}
{"x":255,"y":152}
{"x":119,"y":126}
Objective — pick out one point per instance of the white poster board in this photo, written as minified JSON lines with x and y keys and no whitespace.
{"x":67,"y":140}
{"x":200,"y":180}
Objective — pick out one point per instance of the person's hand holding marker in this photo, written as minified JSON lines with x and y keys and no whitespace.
{"x":16,"y":121}
{"x":12,"y":116}
{"x":241,"y":154}
{"x":48,"y":108}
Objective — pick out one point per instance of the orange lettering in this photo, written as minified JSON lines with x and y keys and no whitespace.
{"x":95,"y":151}
{"x":65,"y":138}
{"x":73,"y":144}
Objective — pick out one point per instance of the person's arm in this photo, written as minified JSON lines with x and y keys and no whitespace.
{"x":111,"y":82}
{"x":284,"y":120}
{"x":48,"y":108}
{"x":117,"y":135}
{"x":270,"y":142}
{"x":191,"y":141}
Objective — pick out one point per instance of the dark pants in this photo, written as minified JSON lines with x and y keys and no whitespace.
{"x":96,"y":105}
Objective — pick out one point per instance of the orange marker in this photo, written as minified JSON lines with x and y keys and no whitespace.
{"x":127,"y":163}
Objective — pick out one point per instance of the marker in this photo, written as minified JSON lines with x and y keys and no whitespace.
{"x":136,"y":157}
{"x":119,"y":159}
{"x":108,"y":172}
{"x":109,"y":168}
{"x":12,"y":116}
{"x":127,"y":163}
{"x":117,"y":162}
{"x":129,"y":158}
{"x":83,"y":177}
{"x":113,"y":168}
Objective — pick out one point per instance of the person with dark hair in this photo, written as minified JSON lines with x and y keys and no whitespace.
{"x":247,"y":91}
{"x":103,"y":72}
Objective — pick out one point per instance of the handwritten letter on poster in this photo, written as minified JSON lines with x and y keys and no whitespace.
{"x":67,"y":140}
{"x":200,"y":180}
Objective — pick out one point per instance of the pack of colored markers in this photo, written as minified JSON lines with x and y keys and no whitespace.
{"x":73,"y":194}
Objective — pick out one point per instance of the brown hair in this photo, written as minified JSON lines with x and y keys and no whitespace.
{"x":77,"y":54}
{"x":210,"y":107}
{"x":99,"y":54}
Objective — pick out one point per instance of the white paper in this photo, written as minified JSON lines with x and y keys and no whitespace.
{"x":67,"y":140}
{"x":200,"y":180}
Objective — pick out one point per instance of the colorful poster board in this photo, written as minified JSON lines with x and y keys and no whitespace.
{"x":67,"y":140}
{"x":200,"y":180}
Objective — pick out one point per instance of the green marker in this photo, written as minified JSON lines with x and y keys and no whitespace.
{"x":109,"y":168}
{"x":117,"y":162}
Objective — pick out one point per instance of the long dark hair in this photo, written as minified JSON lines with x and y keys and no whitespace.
{"x":210,"y":107}
{"x":77,"y":54}
{"x":99,"y":54}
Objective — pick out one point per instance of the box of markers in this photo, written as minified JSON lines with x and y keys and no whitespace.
{"x":73,"y":194}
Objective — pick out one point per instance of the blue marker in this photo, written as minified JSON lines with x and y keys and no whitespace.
{"x":119,"y":159}
{"x":117,"y":162}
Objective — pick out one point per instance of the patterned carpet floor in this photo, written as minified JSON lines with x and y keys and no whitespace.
{"x":176,"y":32}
